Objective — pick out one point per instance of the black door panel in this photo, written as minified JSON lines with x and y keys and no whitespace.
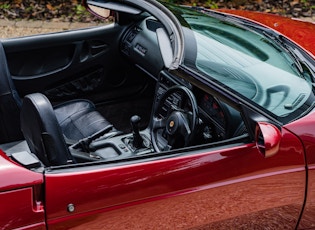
{"x":81,"y":63}
{"x":36,"y":63}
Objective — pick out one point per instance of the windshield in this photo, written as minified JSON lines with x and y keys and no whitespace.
{"x":248,"y":62}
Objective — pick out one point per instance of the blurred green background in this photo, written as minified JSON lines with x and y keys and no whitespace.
{"x":72,"y":10}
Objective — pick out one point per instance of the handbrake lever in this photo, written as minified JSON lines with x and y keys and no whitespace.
{"x":84,"y":143}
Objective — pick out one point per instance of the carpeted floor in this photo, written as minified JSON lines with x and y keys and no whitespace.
{"x":119,"y":114}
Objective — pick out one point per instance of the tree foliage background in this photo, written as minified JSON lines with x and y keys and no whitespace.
{"x":72,"y":10}
{"x":65,"y":10}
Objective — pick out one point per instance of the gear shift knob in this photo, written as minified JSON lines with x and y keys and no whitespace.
{"x":134,"y":121}
{"x":137,"y":139}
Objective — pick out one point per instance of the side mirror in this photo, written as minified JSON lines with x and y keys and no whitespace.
{"x":267,"y":137}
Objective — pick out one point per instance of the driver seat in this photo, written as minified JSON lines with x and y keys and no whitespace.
{"x":42,"y":131}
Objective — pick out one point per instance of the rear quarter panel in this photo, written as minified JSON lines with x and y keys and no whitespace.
{"x":20,"y":196}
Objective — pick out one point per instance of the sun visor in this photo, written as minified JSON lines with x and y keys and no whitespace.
{"x":165,"y":47}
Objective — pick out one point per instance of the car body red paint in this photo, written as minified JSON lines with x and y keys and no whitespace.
{"x":21,"y":201}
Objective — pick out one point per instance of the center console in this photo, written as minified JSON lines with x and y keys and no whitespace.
{"x":115,"y":145}
{"x":121,"y":146}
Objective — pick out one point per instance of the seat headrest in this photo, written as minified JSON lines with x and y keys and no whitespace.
{"x":42,"y":132}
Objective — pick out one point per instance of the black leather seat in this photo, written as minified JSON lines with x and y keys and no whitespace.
{"x":42,"y":131}
{"x":78,"y":118}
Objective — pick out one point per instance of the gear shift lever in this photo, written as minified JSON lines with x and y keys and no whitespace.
{"x":137,"y":139}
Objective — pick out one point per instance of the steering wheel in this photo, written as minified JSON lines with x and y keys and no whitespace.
{"x":176,"y":129}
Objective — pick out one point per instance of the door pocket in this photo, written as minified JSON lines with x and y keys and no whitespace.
{"x":87,"y":83}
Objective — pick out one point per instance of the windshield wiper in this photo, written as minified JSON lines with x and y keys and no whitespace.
{"x":272,"y":35}
{"x":280,"y":40}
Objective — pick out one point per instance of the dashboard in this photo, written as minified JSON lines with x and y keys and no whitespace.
{"x":140,"y":45}
{"x":212,"y":111}
{"x":217,"y":121}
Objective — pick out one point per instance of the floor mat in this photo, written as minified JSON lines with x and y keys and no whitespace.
{"x":119,"y":114}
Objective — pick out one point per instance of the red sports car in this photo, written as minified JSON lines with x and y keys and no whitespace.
{"x":171,"y":117}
